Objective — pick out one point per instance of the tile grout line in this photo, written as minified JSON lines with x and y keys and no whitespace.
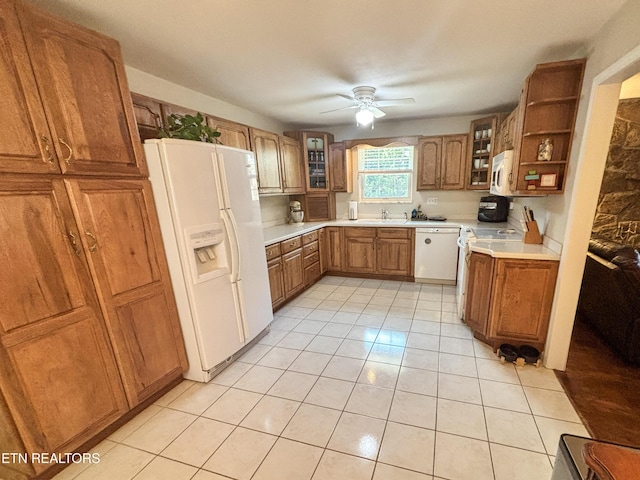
{"x":355,"y":383}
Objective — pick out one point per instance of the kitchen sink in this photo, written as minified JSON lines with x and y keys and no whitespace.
{"x":378,"y":221}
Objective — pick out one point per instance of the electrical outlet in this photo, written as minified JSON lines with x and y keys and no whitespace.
{"x":432,"y":201}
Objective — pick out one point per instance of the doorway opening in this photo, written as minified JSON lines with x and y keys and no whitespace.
{"x":602,"y":386}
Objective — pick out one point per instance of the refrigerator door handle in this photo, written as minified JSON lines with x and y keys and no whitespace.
{"x":237,"y":300}
{"x":235,"y":245}
{"x":225,"y":202}
{"x":221,"y":187}
{"x":243,"y":318}
{"x":232,"y":240}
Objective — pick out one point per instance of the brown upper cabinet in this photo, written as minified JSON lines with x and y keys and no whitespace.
{"x":315,"y":155}
{"x":291,"y":165}
{"x":441,"y":162}
{"x":340,"y":168}
{"x":26,"y":145}
{"x":151,"y":115}
{"x":148,"y":113}
{"x":266,"y":146}
{"x":231,"y":134}
{"x":83,"y":89}
{"x":507,"y":132}
{"x":171,"y":109}
{"x":278,"y":162}
{"x":482,"y":139}
{"x":546,"y":114}
{"x":550,"y":106}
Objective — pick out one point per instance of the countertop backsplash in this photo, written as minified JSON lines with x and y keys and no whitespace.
{"x":274,"y":210}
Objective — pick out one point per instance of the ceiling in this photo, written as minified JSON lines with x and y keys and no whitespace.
{"x":287,"y":59}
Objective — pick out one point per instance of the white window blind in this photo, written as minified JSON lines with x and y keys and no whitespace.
{"x":385,"y":173}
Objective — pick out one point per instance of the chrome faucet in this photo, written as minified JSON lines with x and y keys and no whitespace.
{"x":385,"y":214}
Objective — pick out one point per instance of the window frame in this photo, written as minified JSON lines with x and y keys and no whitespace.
{"x":362,"y":174}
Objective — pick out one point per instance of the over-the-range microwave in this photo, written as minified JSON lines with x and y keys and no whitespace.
{"x":501,"y":176}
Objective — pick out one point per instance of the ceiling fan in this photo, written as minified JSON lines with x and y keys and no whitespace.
{"x":368,"y":107}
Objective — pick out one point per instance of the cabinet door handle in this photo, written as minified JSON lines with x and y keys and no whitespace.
{"x":68,"y":158}
{"x":74,"y":243}
{"x":45,"y":140}
{"x":93,"y":247}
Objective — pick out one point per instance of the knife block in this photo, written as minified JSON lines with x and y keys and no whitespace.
{"x":532,"y":235}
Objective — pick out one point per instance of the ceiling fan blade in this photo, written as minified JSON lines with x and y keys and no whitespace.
{"x":377,"y":113}
{"x":348,"y":97}
{"x":338,"y":109}
{"x":395,"y":102}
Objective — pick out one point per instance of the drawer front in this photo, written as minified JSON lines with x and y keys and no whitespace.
{"x":310,"y":259}
{"x":273,"y":251}
{"x":291,"y":244}
{"x":360,"y":232}
{"x":309,"y":237}
{"x":310,"y":248}
{"x":311,"y":274}
{"x":387,"y":232}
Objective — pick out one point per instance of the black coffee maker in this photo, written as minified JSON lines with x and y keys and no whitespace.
{"x":493,"y":208}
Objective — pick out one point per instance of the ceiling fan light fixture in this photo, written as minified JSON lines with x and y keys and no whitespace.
{"x":364,"y":116}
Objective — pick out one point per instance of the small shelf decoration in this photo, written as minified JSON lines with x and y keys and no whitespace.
{"x":532,"y":178}
{"x":548,"y":180}
{"x":545,"y":150}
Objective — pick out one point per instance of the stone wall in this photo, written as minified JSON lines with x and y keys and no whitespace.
{"x":619,"y":201}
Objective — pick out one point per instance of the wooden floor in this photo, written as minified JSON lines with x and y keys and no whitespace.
{"x":603,"y":388}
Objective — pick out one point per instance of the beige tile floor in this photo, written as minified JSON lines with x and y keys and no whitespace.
{"x":359,"y":380}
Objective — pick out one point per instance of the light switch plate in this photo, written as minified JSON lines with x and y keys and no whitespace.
{"x":432,"y":200}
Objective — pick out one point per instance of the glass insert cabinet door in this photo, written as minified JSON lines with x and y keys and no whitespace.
{"x":317,"y":162}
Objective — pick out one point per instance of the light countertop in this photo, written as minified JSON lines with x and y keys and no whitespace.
{"x":523,"y":250}
{"x":279,"y":233}
{"x":495,"y":248}
{"x":289,"y":230}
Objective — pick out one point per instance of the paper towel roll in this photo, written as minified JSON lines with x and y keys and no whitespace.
{"x":353,"y":210}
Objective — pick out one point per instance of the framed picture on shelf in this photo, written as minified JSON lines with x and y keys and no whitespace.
{"x":548,"y":180}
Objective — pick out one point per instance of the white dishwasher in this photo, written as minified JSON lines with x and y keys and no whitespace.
{"x":436,"y":259}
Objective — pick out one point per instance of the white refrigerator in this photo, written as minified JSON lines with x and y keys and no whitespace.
{"x":207,"y":201}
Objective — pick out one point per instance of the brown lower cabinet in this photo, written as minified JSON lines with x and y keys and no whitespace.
{"x":297,"y":263}
{"x":322,"y":248}
{"x":292,"y":272}
{"x":383,"y":251}
{"x":88,"y":324}
{"x":333,"y":256}
{"x":360,"y":249}
{"x":276,"y":278}
{"x":395,"y":251}
{"x":509,"y":300}
{"x":293,"y":265}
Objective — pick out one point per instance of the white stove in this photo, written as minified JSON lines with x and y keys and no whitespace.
{"x":472,"y":234}
{"x":500,"y":234}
